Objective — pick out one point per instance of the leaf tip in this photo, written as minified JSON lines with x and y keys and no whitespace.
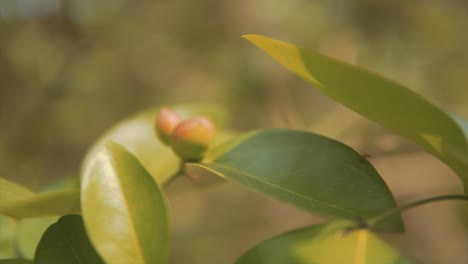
{"x":113,"y":147}
{"x":254,"y":38}
{"x":249,"y":36}
{"x":111,"y":143}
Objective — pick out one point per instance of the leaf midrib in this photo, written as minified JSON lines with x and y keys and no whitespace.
{"x":130,"y":219}
{"x":361,"y":247}
{"x":272,"y":185}
{"x":75,"y":253}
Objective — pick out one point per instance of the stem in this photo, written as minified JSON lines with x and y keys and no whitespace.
{"x":387,"y":214}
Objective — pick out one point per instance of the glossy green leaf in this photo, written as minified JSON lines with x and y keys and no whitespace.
{"x":326,"y":243}
{"x":66,"y":241}
{"x":7,"y":233}
{"x":124,"y":210}
{"x":15,"y":261}
{"x":138,"y":136}
{"x":44,"y":204}
{"x":28,"y":234}
{"x":381,"y":100}
{"x":307,"y":170}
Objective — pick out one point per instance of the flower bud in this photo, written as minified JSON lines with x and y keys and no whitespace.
{"x":166,"y":122}
{"x":191,"y":138}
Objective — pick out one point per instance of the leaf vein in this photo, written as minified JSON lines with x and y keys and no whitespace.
{"x":281,"y":188}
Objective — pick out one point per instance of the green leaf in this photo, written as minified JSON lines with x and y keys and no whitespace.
{"x":325,"y":243}
{"x":381,"y":100}
{"x":7,"y":233}
{"x":15,"y":261}
{"x":20,"y":202}
{"x":44,"y":204}
{"x":11,"y":192}
{"x":63,"y":184}
{"x":124,"y":209}
{"x":29,"y":232}
{"x":307,"y":170}
{"x":66,"y":242}
{"x":138,"y":136}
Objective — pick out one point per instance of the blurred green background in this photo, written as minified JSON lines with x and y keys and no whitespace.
{"x":70,"y":69}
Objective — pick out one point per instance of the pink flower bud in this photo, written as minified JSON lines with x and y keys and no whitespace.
{"x":192,"y":137}
{"x":166,"y":122}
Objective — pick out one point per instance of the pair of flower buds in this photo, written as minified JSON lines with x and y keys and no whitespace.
{"x":188,"y":138}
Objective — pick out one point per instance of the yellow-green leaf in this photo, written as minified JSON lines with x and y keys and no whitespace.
{"x":124,"y":209}
{"x":30,"y":230}
{"x":44,"y":204}
{"x":7,"y":233}
{"x":326,"y":243}
{"x":11,"y":192}
{"x":19,"y":202}
{"x":381,"y":100}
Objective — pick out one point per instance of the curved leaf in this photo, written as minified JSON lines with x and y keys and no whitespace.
{"x":307,"y":170}
{"x":124,"y":210}
{"x":137,"y":135}
{"x":66,"y":242}
{"x":326,"y":243}
{"x":44,"y":204}
{"x":381,"y":100}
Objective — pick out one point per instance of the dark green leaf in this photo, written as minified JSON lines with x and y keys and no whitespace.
{"x":326,"y":243}
{"x":124,"y":210}
{"x":386,"y":102}
{"x":138,"y":136}
{"x":309,"y":171}
{"x":66,"y":242}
